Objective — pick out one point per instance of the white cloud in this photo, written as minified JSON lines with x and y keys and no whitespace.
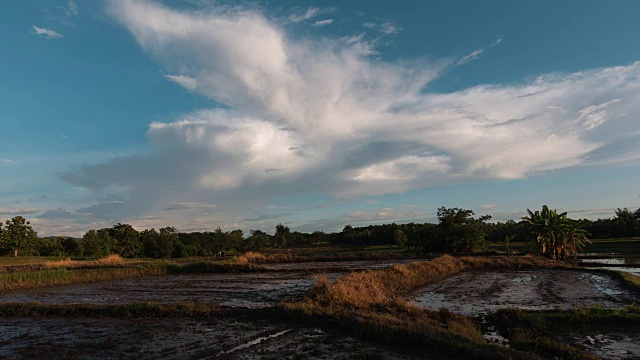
{"x":45,"y":33}
{"x":300,"y":15}
{"x":386,"y":27}
{"x":320,"y":116}
{"x":186,"y":82}
{"x":323,"y":22}
{"x":7,"y":161}
{"x":474,"y":54}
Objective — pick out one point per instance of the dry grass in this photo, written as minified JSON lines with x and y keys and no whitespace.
{"x":372,"y":304}
{"x":251,"y":257}
{"x":287,"y":257}
{"x":380,"y":286}
{"x":112,"y":260}
{"x":139,"y":310}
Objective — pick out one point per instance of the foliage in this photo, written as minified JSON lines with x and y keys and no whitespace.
{"x":19,"y":237}
{"x":556,"y":236}
{"x":459,"y":231}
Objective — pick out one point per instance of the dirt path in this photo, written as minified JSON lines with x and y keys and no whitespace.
{"x":477,"y":293}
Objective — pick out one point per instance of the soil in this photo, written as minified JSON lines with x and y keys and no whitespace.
{"x":610,"y":345}
{"x":90,"y":338}
{"x":478,"y":293}
{"x":248,"y":290}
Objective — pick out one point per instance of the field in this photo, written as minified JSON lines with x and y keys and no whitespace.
{"x":380,"y":303}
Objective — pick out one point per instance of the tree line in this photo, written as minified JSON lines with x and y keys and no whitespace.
{"x":550,"y":233}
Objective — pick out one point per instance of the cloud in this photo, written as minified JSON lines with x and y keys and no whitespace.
{"x":19,"y":212}
{"x":476,"y":53}
{"x":323,"y":22}
{"x":186,"y":82}
{"x":189,"y":206}
{"x":7,"y":161}
{"x":300,"y":14}
{"x":386,"y":27}
{"x":45,"y":33}
{"x":306,"y":115}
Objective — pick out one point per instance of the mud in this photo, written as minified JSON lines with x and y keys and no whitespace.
{"x":249,"y":290}
{"x":613,"y":345}
{"x":478,"y":293}
{"x":85,"y":338}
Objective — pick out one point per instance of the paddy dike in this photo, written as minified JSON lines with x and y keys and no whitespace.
{"x":478,"y":293}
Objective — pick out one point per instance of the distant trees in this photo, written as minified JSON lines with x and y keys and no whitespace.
{"x":282,"y":233}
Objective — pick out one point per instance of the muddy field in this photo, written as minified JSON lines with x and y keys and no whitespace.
{"x":177,"y":339}
{"x":478,"y":293}
{"x":248,"y":290}
{"x":245,"y":290}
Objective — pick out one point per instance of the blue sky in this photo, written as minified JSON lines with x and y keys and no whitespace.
{"x":200,"y":114}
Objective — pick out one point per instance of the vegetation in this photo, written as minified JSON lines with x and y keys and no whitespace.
{"x":556,"y":236}
{"x":537,"y":331}
{"x":372,"y":304}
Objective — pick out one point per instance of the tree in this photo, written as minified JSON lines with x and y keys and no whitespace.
{"x":280,"y":238}
{"x":556,"y":236}
{"x":19,"y":236}
{"x":459,"y":231}
{"x":126,"y":240}
{"x":96,"y":243}
{"x":400,"y":238}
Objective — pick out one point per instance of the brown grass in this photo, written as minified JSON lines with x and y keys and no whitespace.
{"x":109,"y":261}
{"x":372,"y":304}
{"x":380,"y":286}
{"x":287,"y":257}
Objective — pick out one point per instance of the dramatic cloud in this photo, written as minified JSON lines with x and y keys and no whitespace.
{"x":45,"y":33}
{"x":320,"y":116}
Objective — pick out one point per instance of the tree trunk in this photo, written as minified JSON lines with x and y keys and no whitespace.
{"x":15,"y":252}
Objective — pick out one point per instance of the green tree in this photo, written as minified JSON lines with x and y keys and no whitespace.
{"x":459,"y":231}
{"x":126,"y":240}
{"x":400,"y":238}
{"x":280,"y":238}
{"x":19,"y":236}
{"x":556,"y":236}
{"x":167,"y":239}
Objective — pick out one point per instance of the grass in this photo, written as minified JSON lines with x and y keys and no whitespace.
{"x":139,"y":310}
{"x":294,"y":257}
{"x":535,"y":330}
{"x":63,"y":276}
{"x":372,"y":304}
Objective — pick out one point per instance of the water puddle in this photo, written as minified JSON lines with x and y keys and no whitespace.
{"x":251,"y":343}
{"x":609,"y":345}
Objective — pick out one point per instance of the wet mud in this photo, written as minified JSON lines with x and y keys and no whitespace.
{"x":89,"y":338}
{"x":247,"y":290}
{"x":478,"y":293}
{"x":611,"y":345}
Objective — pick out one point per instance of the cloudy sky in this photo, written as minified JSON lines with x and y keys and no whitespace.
{"x":199,"y":114}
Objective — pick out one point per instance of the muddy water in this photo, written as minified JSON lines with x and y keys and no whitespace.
{"x":251,"y":290}
{"x":85,"y":338}
{"x":478,"y":293}
{"x":609,"y":345}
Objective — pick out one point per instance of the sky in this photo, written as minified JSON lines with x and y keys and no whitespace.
{"x":316,"y":114}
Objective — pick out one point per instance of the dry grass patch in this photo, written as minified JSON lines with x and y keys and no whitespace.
{"x":109,"y":261}
{"x":372,"y":304}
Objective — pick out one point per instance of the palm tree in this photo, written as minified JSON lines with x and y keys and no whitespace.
{"x":547,"y":225}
